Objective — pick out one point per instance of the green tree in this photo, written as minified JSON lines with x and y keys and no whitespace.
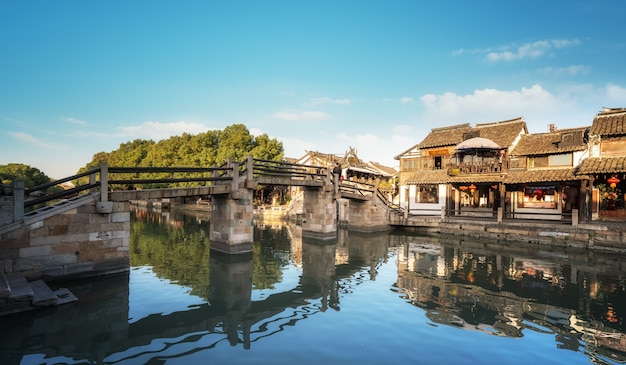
{"x":30,"y":175}
{"x":235,"y":142}
{"x":207,"y":149}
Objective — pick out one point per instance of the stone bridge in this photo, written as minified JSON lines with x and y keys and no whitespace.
{"x":85,"y":231}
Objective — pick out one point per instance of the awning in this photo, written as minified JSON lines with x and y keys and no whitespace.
{"x":477,"y":143}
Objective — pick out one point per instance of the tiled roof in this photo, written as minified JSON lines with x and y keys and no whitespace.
{"x":389,"y":170}
{"x":609,"y":122}
{"x":549,"y":143}
{"x":503,"y":133}
{"x":601,"y":165}
{"x":476,"y":178}
{"x":531,"y":176}
{"x":446,"y":136}
{"x":428,"y":177}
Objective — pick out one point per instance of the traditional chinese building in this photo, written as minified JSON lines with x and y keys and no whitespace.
{"x":574,"y":173}
{"x":542,"y":180}
{"x":605,"y":167}
{"x":459,"y":168}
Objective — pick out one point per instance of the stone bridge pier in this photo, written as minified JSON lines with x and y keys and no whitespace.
{"x":231,"y":226}
{"x":363,"y":215}
{"x":319,"y":212}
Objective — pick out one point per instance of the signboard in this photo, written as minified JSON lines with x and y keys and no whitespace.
{"x":438,"y":152}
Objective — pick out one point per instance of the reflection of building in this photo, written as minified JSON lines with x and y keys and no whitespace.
{"x":502,"y":295}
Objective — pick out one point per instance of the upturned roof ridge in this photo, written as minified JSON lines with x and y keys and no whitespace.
{"x":464,"y":125}
{"x":514,"y":120}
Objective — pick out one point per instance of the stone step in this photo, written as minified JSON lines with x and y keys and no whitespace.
{"x":23,"y":295}
{"x":42,"y":294}
{"x":20,"y":290}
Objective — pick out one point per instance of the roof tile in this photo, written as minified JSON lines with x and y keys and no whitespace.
{"x":549,"y":143}
{"x":609,"y":122}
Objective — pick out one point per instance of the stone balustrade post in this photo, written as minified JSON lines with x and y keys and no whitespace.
{"x":104,"y":182}
{"x":249,"y":168}
{"x":574,"y":217}
{"x":18,"y":200}
{"x":93,"y":178}
{"x":500,"y":214}
{"x":233,"y":173}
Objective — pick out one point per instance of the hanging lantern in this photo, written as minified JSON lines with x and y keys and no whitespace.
{"x":472,"y":188}
{"x":463,"y":188}
{"x":613,"y":181}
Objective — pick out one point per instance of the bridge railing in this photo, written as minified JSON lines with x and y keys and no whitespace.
{"x":392,"y":206}
{"x":169,"y":175}
{"x":26,"y":200}
{"x":356,"y":188}
{"x":290,"y":170}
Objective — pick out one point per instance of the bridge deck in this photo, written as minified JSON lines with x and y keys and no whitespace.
{"x":127,"y":195}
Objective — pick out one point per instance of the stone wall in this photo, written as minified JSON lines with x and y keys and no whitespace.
{"x":319,"y":213}
{"x":76,"y":242}
{"x":363,"y":215}
{"x":231,"y":227}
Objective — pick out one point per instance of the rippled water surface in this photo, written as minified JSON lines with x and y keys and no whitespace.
{"x":358,"y":299}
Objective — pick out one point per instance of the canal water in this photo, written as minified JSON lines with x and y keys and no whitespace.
{"x":372,"y":298}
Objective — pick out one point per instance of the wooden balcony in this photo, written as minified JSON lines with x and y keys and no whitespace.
{"x":477,"y":167}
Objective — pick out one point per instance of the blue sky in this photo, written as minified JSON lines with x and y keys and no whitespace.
{"x":80,"y":77}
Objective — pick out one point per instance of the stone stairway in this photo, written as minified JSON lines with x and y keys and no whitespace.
{"x":19,"y":295}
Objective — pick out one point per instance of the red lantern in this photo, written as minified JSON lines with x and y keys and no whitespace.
{"x":472,"y":188}
{"x":463,"y":188}
{"x":613,"y":181}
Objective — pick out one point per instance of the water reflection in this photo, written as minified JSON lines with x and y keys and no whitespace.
{"x":294,"y":296}
{"x":580,"y":297}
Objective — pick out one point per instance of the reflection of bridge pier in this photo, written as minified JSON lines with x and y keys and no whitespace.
{"x":318,"y":269}
{"x":231,"y":292}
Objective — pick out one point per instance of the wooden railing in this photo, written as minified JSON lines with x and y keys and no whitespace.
{"x":357,"y":189}
{"x":480,"y":167}
{"x":105,"y":178}
{"x":288,"y":170}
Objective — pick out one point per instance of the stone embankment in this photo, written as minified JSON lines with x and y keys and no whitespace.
{"x":601,"y":236}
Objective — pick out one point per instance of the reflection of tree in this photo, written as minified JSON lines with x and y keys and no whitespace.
{"x":178,"y":249}
{"x":177,"y":252}
{"x":269,"y":256}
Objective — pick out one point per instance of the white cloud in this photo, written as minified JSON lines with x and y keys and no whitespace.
{"x":536,"y":105}
{"x":530,"y":50}
{"x":488,"y":102}
{"x":296,"y":148}
{"x":37,"y":142}
{"x":327,"y":100}
{"x":74,"y":121}
{"x":617,"y":94}
{"x":303,"y":115}
{"x":159,"y":130}
{"x":406,"y":100}
{"x":569,"y":71}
